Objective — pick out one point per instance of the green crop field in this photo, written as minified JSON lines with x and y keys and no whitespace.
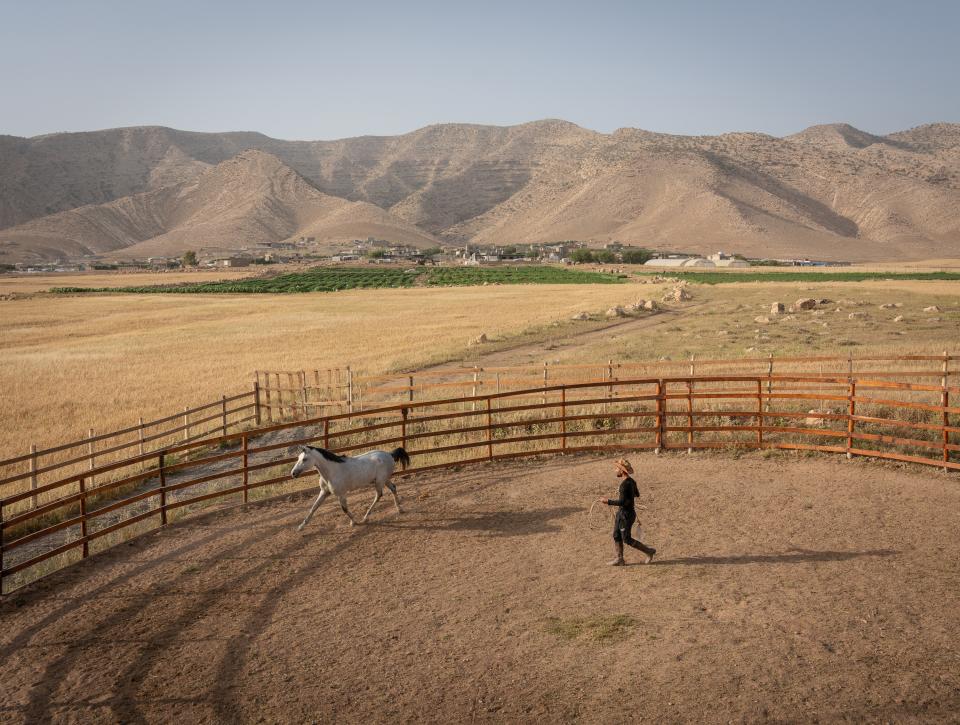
{"x":332,"y":279}
{"x":733,"y":276}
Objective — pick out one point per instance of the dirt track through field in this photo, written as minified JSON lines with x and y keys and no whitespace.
{"x":785,"y":589}
{"x":525,"y":353}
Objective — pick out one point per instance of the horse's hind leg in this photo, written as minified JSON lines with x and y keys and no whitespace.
{"x":376,"y":497}
{"x":396,"y":499}
{"x":316,"y":504}
{"x":343,"y":507}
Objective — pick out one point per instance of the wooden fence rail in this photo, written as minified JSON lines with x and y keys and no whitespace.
{"x":36,"y":469}
{"x":292,"y":394}
{"x":897,"y":420}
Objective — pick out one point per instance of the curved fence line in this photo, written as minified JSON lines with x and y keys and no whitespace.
{"x":874,"y":417}
{"x":291,"y":394}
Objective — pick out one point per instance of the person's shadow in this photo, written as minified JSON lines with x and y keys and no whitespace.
{"x":794,"y":556}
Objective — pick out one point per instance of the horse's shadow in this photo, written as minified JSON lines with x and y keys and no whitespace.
{"x":491,"y":523}
{"x":794,"y":556}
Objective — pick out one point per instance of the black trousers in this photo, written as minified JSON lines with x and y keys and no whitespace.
{"x":621,"y":530}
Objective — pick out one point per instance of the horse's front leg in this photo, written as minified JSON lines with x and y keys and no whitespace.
{"x":343,"y":507}
{"x":316,"y":504}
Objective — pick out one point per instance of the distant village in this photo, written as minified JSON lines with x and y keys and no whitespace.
{"x":380,"y":251}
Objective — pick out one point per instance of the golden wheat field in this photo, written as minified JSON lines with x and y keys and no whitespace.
{"x":70,"y":363}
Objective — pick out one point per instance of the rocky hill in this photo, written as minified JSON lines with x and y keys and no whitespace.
{"x":832,"y":192}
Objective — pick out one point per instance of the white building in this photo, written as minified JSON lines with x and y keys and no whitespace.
{"x":722,"y":259}
{"x":680,"y":262}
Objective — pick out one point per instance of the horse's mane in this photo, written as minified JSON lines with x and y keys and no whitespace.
{"x":329,"y":455}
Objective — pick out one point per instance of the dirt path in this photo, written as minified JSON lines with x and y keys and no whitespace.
{"x":522,"y":352}
{"x":785,"y":590}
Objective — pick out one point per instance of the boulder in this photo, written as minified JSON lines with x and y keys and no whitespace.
{"x":581,"y":316}
{"x":931,"y":308}
{"x":805,"y":303}
{"x":824,"y":301}
{"x":761,"y":320}
{"x":651,"y":305}
{"x":898,"y":318}
{"x":480,"y":339}
{"x":677,"y":294}
{"x":616,"y":312}
{"x":857,"y":315}
{"x":777,"y":308}
{"x":887,"y":306}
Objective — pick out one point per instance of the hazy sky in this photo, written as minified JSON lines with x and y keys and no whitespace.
{"x":322,"y":70}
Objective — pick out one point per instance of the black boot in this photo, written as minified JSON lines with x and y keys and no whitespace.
{"x":648,"y":550}
{"x":618,"y":546}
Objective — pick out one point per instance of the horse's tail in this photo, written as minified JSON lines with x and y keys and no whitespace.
{"x":400,"y":456}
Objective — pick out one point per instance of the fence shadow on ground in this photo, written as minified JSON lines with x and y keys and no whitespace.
{"x":799,"y":556}
{"x":490,"y":523}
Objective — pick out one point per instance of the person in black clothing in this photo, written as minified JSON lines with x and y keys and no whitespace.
{"x":626,"y":515}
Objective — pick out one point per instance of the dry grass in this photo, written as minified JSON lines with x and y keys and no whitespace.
{"x":722,"y":323}
{"x":73,"y":363}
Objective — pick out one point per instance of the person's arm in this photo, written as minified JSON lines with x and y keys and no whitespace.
{"x":615,"y":501}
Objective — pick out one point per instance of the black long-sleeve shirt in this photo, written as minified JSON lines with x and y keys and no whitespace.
{"x":628,"y":492}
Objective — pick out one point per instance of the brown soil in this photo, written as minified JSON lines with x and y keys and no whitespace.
{"x":784,"y":589}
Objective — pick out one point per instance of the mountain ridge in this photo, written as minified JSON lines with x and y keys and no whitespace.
{"x":830,"y":191}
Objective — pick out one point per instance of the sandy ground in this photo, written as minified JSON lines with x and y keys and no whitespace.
{"x":784,"y":590}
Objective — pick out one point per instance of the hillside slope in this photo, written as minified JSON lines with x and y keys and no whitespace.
{"x":830,"y":191}
{"x":250,"y":198}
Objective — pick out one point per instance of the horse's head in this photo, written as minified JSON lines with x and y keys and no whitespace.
{"x":303,"y":462}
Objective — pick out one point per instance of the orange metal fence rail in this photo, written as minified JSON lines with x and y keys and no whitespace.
{"x":879,"y":418}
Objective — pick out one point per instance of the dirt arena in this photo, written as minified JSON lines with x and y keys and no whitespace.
{"x":785,"y":589}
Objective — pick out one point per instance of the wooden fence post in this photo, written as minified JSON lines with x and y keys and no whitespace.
{"x":403,"y":427}
{"x":945,"y":402}
{"x":83,"y":518}
{"x":473,"y":405}
{"x":33,"y":472}
{"x":850,"y":413}
{"x":140,"y":428}
{"x":268,"y":397}
{"x":1,"y":549}
{"x":563,"y":416}
{"x":279,"y":389}
{"x":759,"y":413}
{"x":93,"y":460}
{"x":246,"y":473}
{"x":545,"y":377}
{"x":690,"y":416}
{"x":256,"y":402}
{"x":349,"y":390}
{"x":223,"y":413}
{"x":660,"y":415}
{"x":326,"y":433}
{"x":163,"y":491}
{"x":186,"y":424}
{"x":411,"y":389}
{"x":769,"y":380}
{"x":489,"y":431}
{"x":303,"y":394}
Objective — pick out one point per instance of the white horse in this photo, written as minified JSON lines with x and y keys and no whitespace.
{"x":340,"y":474}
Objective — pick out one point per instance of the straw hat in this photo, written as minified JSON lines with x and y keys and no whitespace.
{"x":623,"y":465}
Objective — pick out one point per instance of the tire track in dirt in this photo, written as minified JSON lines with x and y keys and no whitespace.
{"x":521,"y":352}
